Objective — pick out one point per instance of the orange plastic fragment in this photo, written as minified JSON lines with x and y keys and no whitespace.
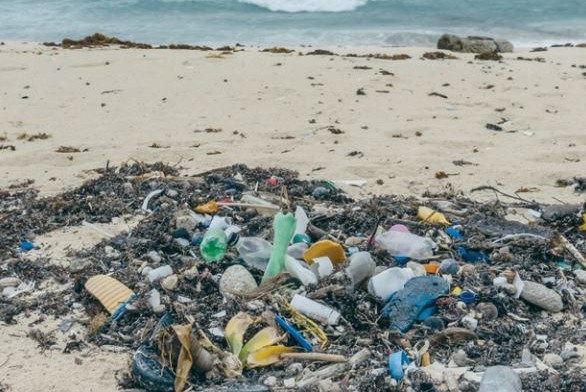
{"x":211,"y":207}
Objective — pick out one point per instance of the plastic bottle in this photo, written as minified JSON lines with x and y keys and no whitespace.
{"x":284,"y":228}
{"x":501,"y":379}
{"x":255,"y":251}
{"x":214,"y":244}
{"x":389,"y":281}
{"x":406,"y":244}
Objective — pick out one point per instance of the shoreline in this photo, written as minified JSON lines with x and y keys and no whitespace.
{"x":114,"y":105}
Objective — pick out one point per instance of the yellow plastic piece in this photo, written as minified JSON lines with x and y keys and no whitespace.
{"x":110,"y":292}
{"x":211,"y":207}
{"x":582,"y":227}
{"x":235,"y":330}
{"x":326,"y":248}
{"x":265,"y":337}
{"x":308,"y":325}
{"x":426,"y":214}
{"x":457,"y":291}
{"x":425,"y":359}
{"x":267,"y":356}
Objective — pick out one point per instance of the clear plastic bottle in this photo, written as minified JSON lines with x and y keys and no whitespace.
{"x":254,"y":251}
{"x":406,"y":244}
{"x":214,"y":244}
{"x":501,"y":379}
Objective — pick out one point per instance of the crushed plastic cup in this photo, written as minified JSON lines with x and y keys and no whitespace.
{"x":254,"y":251}
{"x":322,"y":267}
{"x":361,"y":267}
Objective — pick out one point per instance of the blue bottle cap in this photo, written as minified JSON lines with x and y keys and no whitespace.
{"x":467,"y":297}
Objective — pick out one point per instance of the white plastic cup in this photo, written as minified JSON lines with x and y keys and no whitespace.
{"x":315,"y":310}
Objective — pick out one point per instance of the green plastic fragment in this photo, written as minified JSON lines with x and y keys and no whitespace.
{"x":284,"y":228}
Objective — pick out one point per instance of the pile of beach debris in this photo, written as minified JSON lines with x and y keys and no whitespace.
{"x":253,"y":280}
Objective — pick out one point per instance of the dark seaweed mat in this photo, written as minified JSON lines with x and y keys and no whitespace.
{"x":108,"y":196}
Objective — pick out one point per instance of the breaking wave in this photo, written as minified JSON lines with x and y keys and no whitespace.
{"x":307,"y":5}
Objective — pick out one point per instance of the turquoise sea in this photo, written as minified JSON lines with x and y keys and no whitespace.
{"x":294,"y":22}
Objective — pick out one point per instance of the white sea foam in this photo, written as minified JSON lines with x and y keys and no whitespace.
{"x":308,"y":5}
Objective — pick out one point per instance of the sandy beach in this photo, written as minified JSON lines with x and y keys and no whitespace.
{"x":406,"y":126}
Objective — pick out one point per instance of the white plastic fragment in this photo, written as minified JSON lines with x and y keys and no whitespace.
{"x":159,"y":273}
{"x":147,"y":199}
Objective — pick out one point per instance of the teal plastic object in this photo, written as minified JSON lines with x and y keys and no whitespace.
{"x":284,"y":227}
{"x":214,"y":244}
{"x":396,"y":362}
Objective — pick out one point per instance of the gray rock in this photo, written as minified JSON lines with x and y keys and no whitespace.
{"x":569,"y":354}
{"x":553,"y":360}
{"x":488,"y":311}
{"x":9,"y":282}
{"x":154,"y":256}
{"x":270,"y":381}
{"x":558,"y":211}
{"x":503,"y":46}
{"x":580,"y":276}
{"x":539,"y":295}
{"x":237,"y":280}
{"x":473,"y":44}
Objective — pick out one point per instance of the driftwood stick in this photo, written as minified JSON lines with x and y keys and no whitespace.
{"x":334,"y":370}
{"x":573,"y":251}
{"x":315,"y":357}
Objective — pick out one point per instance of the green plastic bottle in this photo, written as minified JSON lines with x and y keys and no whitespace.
{"x":213,"y":245}
{"x":284,"y":228}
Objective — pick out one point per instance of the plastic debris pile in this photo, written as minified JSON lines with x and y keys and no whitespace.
{"x":253,"y":280}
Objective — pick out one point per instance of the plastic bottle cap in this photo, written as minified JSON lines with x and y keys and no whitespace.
{"x":467,"y":297}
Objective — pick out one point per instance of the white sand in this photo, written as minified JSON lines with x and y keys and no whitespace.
{"x":163,"y":97}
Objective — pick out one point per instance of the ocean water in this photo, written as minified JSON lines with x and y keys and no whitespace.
{"x":294,"y":22}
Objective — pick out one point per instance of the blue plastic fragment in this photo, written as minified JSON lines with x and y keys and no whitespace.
{"x":427,"y":312}
{"x":396,"y":362}
{"x":26,"y":245}
{"x":120,"y":310}
{"x":295,"y":333}
{"x":406,"y":305}
{"x":472,"y":256}
{"x":401,"y":259}
{"x":454,"y":234}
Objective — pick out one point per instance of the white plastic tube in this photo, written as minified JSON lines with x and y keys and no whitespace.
{"x":315,"y":310}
